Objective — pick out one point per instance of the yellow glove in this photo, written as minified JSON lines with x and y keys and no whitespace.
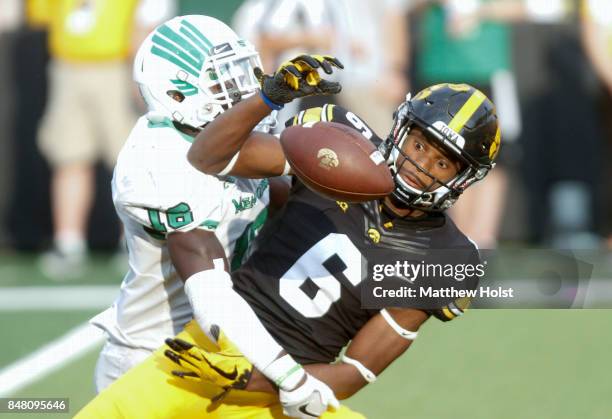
{"x":299,"y":77}
{"x":225,"y":368}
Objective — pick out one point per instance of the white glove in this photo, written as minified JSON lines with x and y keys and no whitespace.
{"x":310,"y":400}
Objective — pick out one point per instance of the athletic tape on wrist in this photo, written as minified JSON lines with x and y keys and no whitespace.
{"x":267,"y":101}
{"x":406,"y":334}
{"x":285,"y":372}
{"x":368,"y":375}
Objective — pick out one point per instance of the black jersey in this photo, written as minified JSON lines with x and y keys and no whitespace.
{"x":305,"y":276}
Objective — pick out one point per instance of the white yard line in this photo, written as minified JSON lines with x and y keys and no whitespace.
{"x":49,"y":358}
{"x":74,"y":297}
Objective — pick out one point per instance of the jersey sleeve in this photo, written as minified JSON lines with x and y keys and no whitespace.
{"x":457,"y":307}
{"x":452,"y":310}
{"x":164,"y":198}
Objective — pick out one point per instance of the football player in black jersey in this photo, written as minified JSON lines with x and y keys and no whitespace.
{"x":304,"y":279}
{"x":301,"y":280}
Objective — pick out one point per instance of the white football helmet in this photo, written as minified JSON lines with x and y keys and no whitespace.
{"x":192,"y":68}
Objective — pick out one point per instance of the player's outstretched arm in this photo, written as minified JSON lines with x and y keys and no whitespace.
{"x":199,"y":259}
{"x":379,"y":342}
{"x":223,"y":146}
{"x":228,"y":145}
{"x":194,"y":251}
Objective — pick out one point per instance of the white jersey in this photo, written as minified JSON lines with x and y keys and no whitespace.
{"x":156,"y":191}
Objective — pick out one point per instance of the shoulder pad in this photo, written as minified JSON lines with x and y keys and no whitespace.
{"x":324,"y":113}
{"x":334,"y":113}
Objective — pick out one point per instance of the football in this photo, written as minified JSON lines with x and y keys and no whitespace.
{"x":337,"y":161}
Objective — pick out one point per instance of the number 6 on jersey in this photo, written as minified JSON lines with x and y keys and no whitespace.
{"x":311,"y":266}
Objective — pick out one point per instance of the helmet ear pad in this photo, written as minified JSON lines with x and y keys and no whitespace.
{"x":176,"y":95}
{"x":459,"y":120}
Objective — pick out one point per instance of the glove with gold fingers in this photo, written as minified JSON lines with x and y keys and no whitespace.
{"x":297,"y":78}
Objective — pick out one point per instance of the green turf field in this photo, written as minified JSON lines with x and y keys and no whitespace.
{"x":489,"y":364}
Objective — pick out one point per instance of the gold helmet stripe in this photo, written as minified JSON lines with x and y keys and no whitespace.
{"x":466,"y":111}
{"x":494,"y":148}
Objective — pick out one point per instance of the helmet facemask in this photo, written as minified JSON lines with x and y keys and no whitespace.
{"x":229,"y":78}
{"x":226,"y":78}
{"x":436,"y":194}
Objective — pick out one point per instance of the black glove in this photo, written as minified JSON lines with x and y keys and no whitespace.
{"x":299,"y":77}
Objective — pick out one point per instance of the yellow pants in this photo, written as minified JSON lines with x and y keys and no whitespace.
{"x":149,"y":390}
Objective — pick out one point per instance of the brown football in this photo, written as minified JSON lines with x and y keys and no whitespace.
{"x":337,"y":161}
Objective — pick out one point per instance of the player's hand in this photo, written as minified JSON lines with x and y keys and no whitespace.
{"x":224,"y":369}
{"x":299,"y":77}
{"x":309,"y":400}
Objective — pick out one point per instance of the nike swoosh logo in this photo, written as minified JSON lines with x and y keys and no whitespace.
{"x":221,"y":48}
{"x":306,"y":412}
{"x":229,"y":376}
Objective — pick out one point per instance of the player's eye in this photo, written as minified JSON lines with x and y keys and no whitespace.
{"x":443,"y":164}
{"x":419,"y":146}
{"x":216,"y":89}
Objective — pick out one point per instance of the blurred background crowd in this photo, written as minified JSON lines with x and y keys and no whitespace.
{"x":68,"y":103}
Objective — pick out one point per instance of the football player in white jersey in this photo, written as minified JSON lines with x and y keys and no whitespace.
{"x":184,"y":227}
{"x":176,"y":219}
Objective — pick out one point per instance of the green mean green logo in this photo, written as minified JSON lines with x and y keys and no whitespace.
{"x":244,"y":203}
{"x":187,"y":49}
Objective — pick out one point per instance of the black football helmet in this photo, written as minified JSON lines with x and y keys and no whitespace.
{"x":459,"y":119}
